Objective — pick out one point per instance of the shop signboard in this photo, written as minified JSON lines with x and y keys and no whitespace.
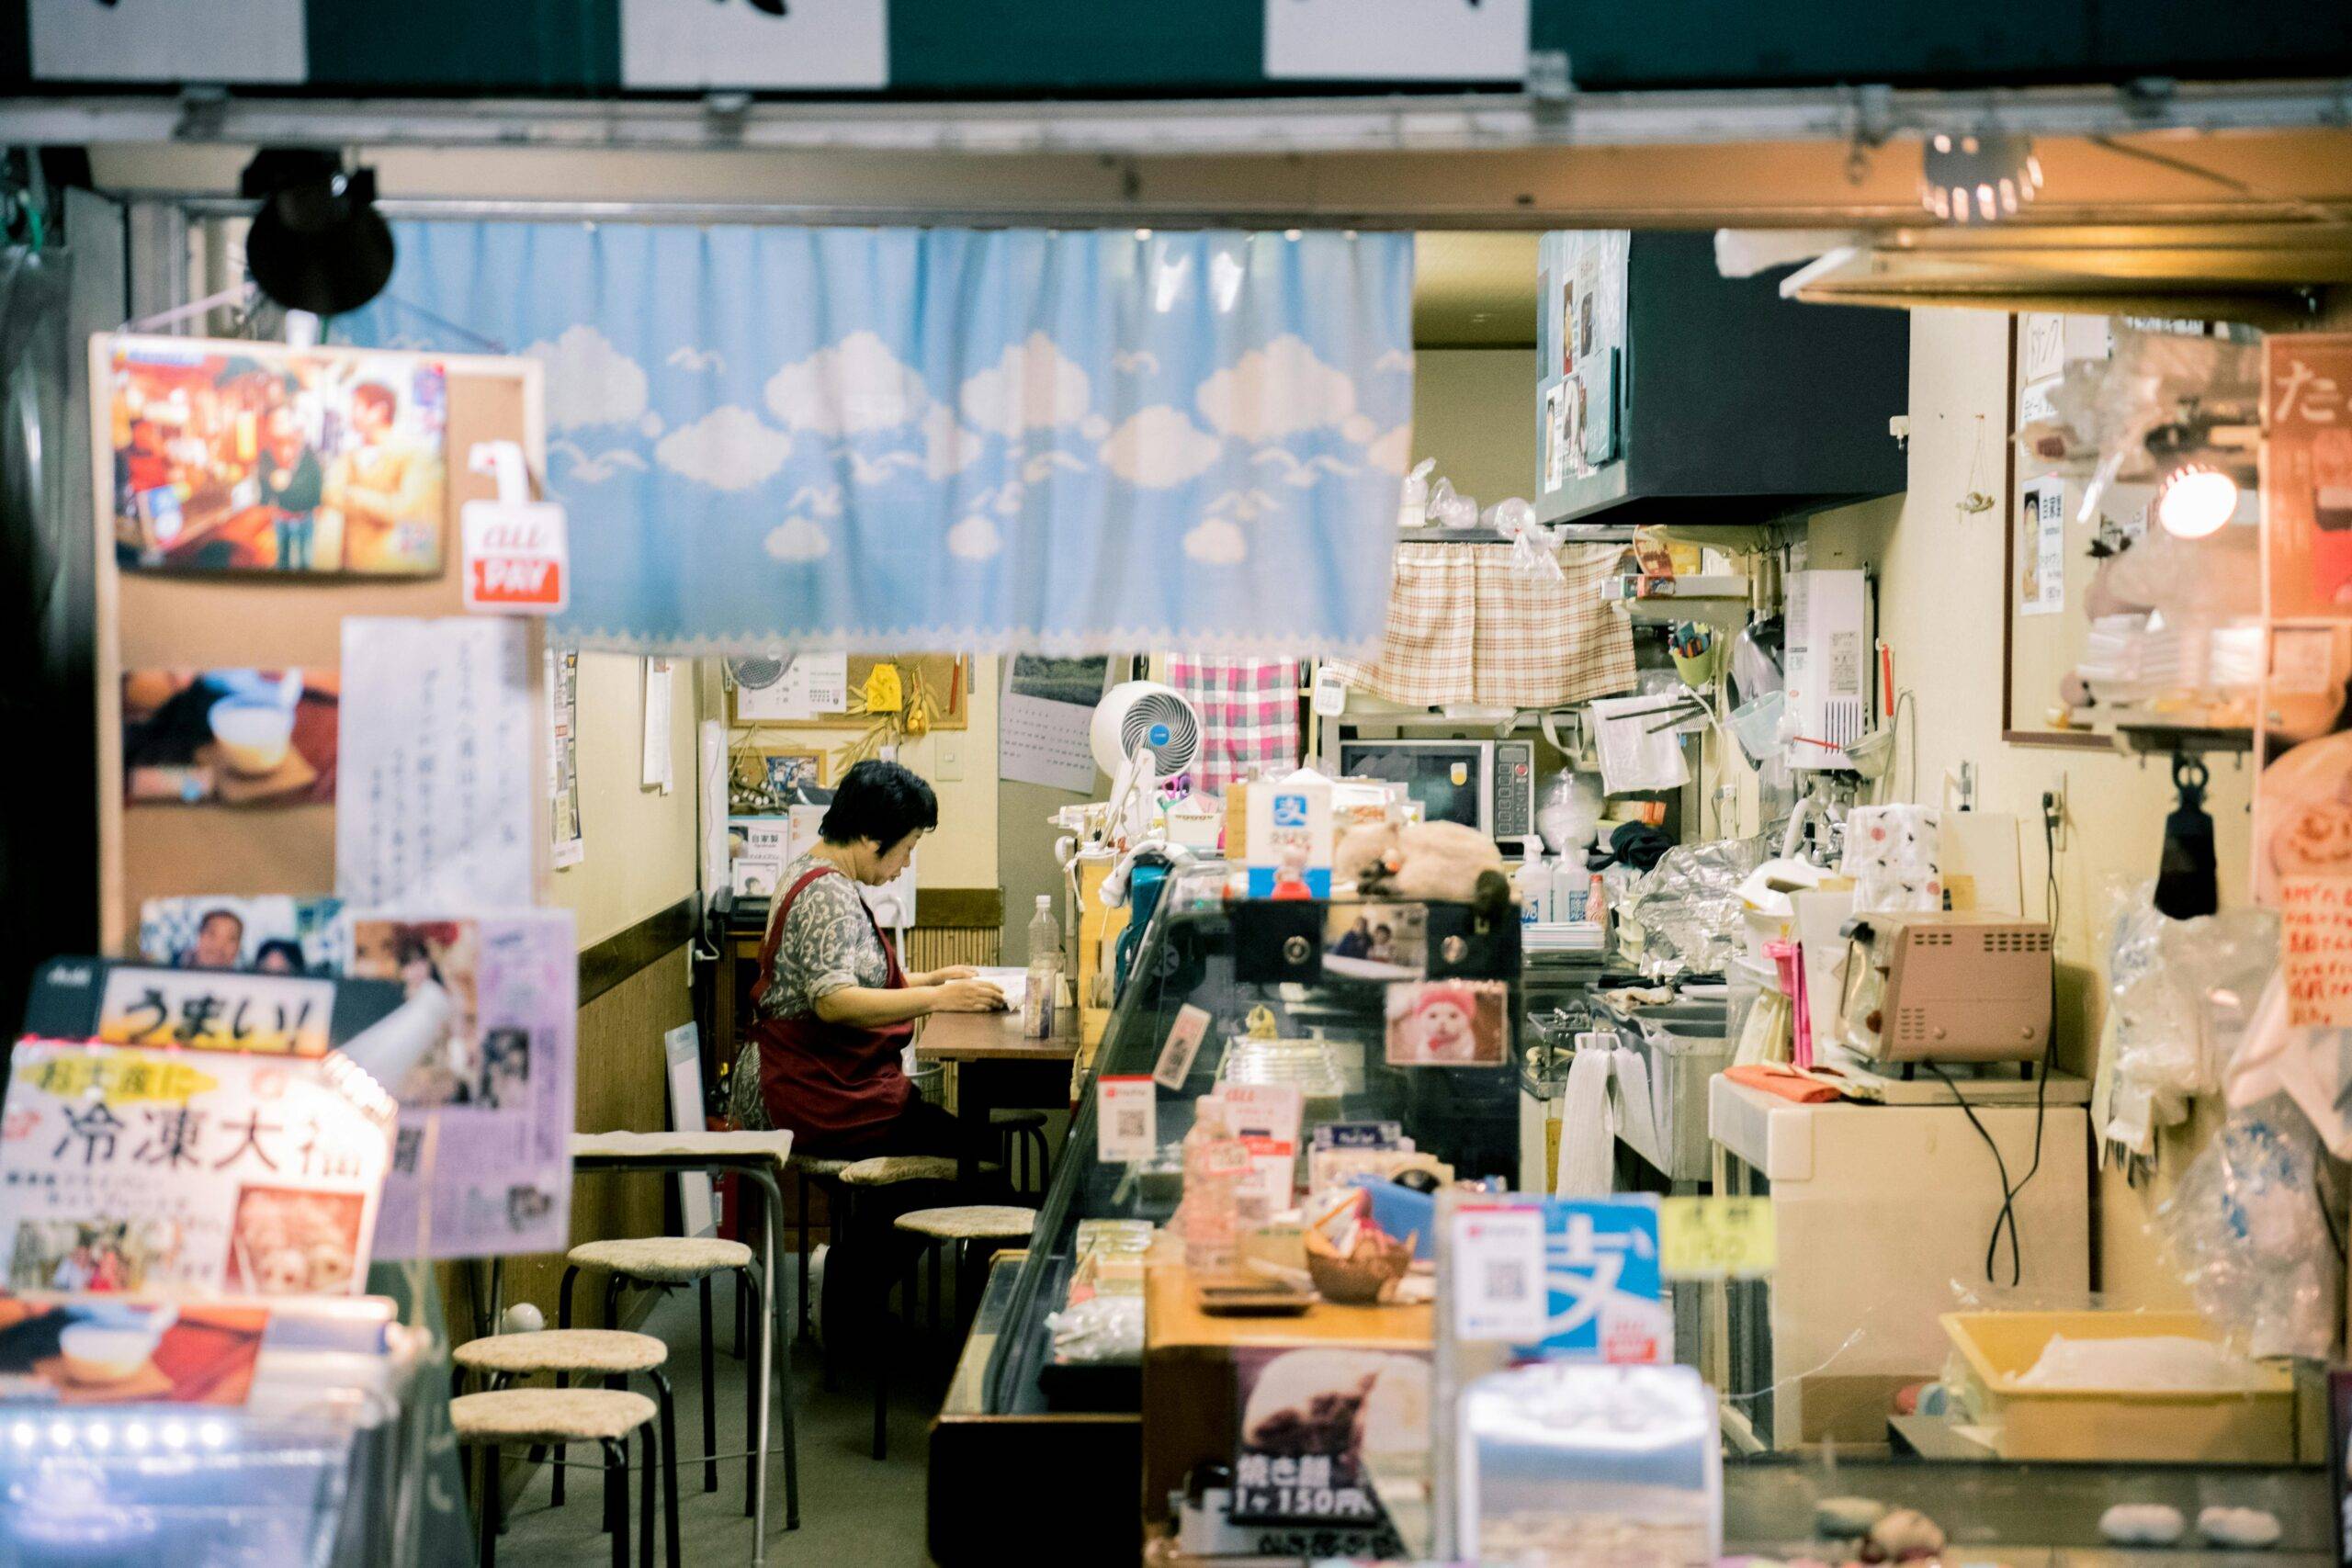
{"x":1600,"y":1264}
{"x":126,"y":1169}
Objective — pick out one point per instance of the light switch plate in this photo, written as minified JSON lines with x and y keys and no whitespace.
{"x":947,"y":760}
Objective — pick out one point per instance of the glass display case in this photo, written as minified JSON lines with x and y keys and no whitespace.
{"x":1322,"y":979}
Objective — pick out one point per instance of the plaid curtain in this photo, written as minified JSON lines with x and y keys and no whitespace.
{"x":1249,"y":715}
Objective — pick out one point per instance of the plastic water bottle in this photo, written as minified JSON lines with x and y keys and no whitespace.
{"x":1044,"y":972}
{"x":1535,"y":890}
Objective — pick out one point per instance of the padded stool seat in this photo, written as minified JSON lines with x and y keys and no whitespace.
{"x":889,"y":1170}
{"x":666,"y":1259}
{"x":817,"y":1164}
{"x":610,"y":1351}
{"x":549,"y":1416}
{"x":1014,"y":1116}
{"x":971,"y":1221}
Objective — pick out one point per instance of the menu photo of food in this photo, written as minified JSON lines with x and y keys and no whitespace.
{"x":1319,"y":1427}
{"x":229,"y":736}
{"x":249,"y":456}
{"x":84,"y":1352}
{"x":290,"y":1241}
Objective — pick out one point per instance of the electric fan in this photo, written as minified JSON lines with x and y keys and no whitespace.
{"x":1143,"y":735}
{"x":759,"y":673}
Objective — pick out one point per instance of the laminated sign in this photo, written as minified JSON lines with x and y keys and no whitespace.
{"x":517,"y":551}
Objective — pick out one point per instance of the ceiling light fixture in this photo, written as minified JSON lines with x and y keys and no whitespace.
{"x":2195,"y":500}
{"x":1978,"y":176}
{"x":316,"y":242}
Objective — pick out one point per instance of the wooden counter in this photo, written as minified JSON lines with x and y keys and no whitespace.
{"x":1189,"y":1413}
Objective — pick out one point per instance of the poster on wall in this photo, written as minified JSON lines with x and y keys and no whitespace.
{"x":1046,"y":721}
{"x":568,"y":847}
{"x":229,"y":736}
{"x":125,"y":1170}
{"x":2042,"y":546}
{"x":485,"y":1117}
{"x":272,"y":933}
{"x":251,"y":457}
{"x":2302,"y":809}
{"x":1396,"y":40}
{"x":757,"y":43}
{"x":437,"y":796}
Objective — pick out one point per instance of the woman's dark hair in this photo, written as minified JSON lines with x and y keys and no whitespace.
{"x":880,"y":801}
{"x":278,"y":947}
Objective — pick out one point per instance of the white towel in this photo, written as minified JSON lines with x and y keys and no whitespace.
{"x":1587,"y":1138}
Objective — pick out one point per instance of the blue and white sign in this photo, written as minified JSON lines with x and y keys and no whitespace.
{"x":1606,"y":1291}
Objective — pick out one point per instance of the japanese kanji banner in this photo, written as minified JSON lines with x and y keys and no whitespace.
{"x":204,"y":1172}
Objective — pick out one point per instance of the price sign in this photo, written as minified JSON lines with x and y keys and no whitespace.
{"x":1182,"y":1045}
{"x":1126,"y":1116}
{"x":517,"y":557}
{"x":1717,"y":1239}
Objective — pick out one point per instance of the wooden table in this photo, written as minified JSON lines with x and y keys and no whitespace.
{"x":996,"y":1067}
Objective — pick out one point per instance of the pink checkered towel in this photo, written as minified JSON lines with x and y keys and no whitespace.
{"x":1249,"y":716}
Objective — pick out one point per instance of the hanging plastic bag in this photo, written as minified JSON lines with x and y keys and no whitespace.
{"x":1636,"y":758}
{"x":2251,"y":1237}
{"x":1448,"y":509}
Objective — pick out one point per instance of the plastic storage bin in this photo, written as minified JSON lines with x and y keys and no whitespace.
{"x":2232,"y":1427}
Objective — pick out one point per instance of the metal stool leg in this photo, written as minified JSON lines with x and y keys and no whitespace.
{"x":617,"y":1486}
{"x":754,"y":1369}
{"x":668,"y":1404}
{"x":562,"y":1320}
{"x":802,"y":1319}
{"x":648,"y":1447}
{"x":488,"y":1550}
{"x":936,"y":1255}
{"x":709,"y":1394}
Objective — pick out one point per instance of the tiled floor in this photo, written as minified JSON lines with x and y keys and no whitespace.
{"x":853,"y":1509}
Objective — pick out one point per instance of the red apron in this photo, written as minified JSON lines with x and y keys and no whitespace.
{"x":830,"y":1083}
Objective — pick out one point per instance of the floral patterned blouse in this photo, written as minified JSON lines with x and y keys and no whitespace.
{"x":828,"y":944}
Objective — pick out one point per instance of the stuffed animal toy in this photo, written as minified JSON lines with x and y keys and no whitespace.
{"x":1423,"y":861}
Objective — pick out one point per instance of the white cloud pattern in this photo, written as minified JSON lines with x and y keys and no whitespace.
{"x":1245,"y":505}
{"x":1158,"y":448}
{"x":652,"y":426}
{"x":594,"y":469}
{"x":870,"y":471}
{"x":1095,"y":427}
{"x":1136,"y":362}
{"x":1217,"y":542}
{"x":821,"y":501}
{"x":857,"y":386}
{"x":729,"y":448}
{"x":975,"y":539}
{"x":1280,"y":390}
{"x":1033,"y":387}
{"x":1041,"y":467}
{"x":798,"y":541}
{"x":1358,"y":429}
{"x":1393,"y":452}
{"x":1395,"y":360}
{"x":949,"y":447}
{"x":690,"y":358}
{"x":589,"y":380}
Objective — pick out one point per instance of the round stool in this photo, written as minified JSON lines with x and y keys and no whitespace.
{"x":545,"y":1418}
{"x":611,"y":1353}
{"x":960,"y":1227}
{"x":869,"y":1176}
{"x":1020,"y":1133}
{"x":816,"y":1171}
{"x":889,"y":1170}
{"x":661,"y":1261}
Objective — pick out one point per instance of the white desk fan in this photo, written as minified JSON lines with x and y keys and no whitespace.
{"x":1143,"y":735}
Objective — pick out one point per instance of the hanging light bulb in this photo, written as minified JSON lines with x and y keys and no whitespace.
{"x":2195,"y":500}
{"x":1978,"y":177}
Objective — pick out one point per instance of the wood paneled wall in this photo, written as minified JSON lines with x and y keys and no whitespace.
{"x":939,"y":947}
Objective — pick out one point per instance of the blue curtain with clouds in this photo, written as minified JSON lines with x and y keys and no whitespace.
{"x":1076,"y":442}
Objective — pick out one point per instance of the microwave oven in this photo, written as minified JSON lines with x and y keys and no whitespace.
{"x":1486,"y":784}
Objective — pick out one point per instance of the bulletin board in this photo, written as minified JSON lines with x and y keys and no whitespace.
{"x":163,"y":620}
{"x":2044,"y":628}
{"x":949,"y":676}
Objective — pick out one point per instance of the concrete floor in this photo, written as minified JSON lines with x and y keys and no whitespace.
{"x":853,"y":1508}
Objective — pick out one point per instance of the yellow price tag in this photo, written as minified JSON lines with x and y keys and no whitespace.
{"x":121,"y":1077}
{"x":883,"y":693}
{"x":1716,"y":1238}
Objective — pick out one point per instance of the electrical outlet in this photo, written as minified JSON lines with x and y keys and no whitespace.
{"x":2055,"y":813}
{"x":947,"y":759}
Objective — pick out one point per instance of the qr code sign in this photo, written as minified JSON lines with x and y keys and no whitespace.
{"x":1129,"y":1126}
{"x":1506,"y":1280}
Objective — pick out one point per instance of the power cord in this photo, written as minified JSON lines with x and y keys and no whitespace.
{"x":2008,"y":1218}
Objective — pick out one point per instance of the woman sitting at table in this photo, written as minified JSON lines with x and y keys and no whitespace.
{"x":832,"y":1010}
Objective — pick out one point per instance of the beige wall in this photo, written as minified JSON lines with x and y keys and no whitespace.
{"x":1942,"y":609}
{"x":1473,"y":411}
{"x":962,"y":854}
{"x":640,"y":843}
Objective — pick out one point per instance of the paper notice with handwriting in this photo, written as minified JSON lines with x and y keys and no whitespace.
{"x":435,"y":785}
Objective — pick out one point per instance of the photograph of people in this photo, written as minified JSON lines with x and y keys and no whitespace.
{"x":387,"y":488}
{"x":220,"y":942}
{"x":832,"y":1009}
{"x":279,"y":956}
{"x":292,"y":482}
